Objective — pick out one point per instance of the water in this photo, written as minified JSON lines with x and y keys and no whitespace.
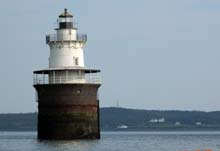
{"x":116,"y":141}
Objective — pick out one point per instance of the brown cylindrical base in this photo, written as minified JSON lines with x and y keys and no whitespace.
{"x":68,"y":111}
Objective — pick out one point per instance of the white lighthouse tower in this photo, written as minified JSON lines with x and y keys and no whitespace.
{"x":68,"y":103}
{"x":66,"y":50}
{"x":66,"y":54}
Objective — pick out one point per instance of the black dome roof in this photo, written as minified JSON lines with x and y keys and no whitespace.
{"x":65,"y":14}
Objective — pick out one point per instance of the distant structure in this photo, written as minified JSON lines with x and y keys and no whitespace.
{"x":177,"y":123}
{"x":117,"y":104}
{"x":198,"y":123}
{"x":122,"y":126}
{"x":67,"y":91}
{"x":160,"y":120}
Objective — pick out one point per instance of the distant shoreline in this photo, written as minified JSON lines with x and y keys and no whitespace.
{"x":130,"y":130}
{"x":121,"y":119}
{"x":152,"y":130}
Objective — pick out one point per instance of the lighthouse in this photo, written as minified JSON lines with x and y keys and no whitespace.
{"x":67,"y":91}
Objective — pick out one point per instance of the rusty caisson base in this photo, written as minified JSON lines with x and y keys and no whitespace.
{"x":68,"y":111}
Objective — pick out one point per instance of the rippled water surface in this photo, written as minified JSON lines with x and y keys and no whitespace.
{"x":116,"y":141}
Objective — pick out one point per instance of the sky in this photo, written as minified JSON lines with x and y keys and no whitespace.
{"x":153,"y":54}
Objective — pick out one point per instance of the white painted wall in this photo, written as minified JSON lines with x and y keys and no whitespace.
{"x":65,"y":55}
{"x":66,"y":34}
{"x":67,"y":77}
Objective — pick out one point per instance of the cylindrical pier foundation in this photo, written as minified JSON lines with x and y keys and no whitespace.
{"x":68,"y":111}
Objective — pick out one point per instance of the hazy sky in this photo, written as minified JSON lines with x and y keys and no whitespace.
{"x":154,"y":54}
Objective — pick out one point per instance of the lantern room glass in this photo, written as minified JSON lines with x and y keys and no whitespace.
{"x":65,"y":19}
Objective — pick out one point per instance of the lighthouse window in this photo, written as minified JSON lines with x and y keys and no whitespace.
{"x":78,"y":91}
{"x":77,"y":61}
{"x":61,"y":19}
{"x":67,"y":20}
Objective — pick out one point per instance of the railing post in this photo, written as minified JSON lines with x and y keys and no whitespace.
{"x":33,"y":79}
{"x":67,"y":74}
{"x":53,"y":77}
{"x":90,"y":76}
{"x":43,"y":78}
{"x":36,"y":79}
{"x":100,"y":78}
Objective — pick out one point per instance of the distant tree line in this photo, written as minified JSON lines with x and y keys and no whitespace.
{"x":112,"y":118}
{"x":18,"y":121}
{"x":142,"y":119}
